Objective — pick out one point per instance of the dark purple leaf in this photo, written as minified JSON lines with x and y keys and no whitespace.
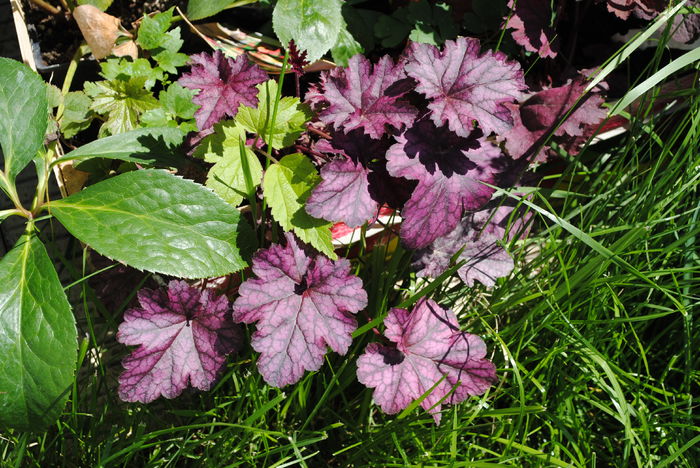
{"x":464,"y":86}
{"x":223,"y":84}
{"x":530,"y":24}
{"x":430,"y":350}
{"x":302,"y":305}
{"x":541,"y":112}
{"x":363,"y":96}
{"x":449,"y":170}
{"x":183,"y":335}
{"x":297,"y":58}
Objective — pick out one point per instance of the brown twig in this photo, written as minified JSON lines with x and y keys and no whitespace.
{"x":46,"y":6}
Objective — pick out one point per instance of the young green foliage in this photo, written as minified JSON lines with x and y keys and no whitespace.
{"x":289,"y":121}
{"x":314,"y":26}
{"x":286,"y":187}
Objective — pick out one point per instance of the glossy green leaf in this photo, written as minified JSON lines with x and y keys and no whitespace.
{"x":24,"y":113}
{"x":150,"y":146}
{"x":153,"y":220}
{"x":286,"y":187}
{"x":314,"y":25}
{"x":289,"y":121}
{"x":76,"y":113}
{"x":153,"y":28}
{"x":345,"y":47}
{"x":198,"y":9}
{"x":101,"y":4}
{"x":38,"y":338}
{"x":227,"y":177}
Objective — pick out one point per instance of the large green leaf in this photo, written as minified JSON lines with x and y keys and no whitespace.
{"x":24,"y":114}
{"x":153,"y":220}
{"x":286,"y":187}
{"x":314,"y":25}
{"x":289,"y":122}
{"x":198,"y":9}
{"x":153,"y":146}
{"x":38,"y":339}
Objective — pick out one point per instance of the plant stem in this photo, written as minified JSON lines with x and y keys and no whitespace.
{"x":266,"y":154}
{"x":46,"y":6}
{"x":70,"y":74}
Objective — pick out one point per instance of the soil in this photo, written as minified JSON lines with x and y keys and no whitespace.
{"x":58,"y":35}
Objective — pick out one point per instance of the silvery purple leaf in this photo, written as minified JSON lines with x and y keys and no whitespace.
{"x":183,"y":335}
{"x":364,"y":96}
{"x":464,"y":86}
{"x":301,"y":306}
{"x":449,"y":170}
{"x":531,"y":29}
{"x":343,"y":194}
{"x":430,"y":351}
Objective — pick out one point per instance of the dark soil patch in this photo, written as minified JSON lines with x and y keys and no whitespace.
{"x":58,"y":35}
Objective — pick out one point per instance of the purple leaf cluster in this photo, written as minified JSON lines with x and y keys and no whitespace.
{"x":477,"y":240}
{"x":428,"y":355}
{"x":183,"y":336}
{"x":301,"y":305}
{"x":563,"y":112}
{"x":436,"y":108}
{"x":223,"y":84}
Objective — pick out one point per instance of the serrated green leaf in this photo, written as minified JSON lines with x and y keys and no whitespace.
{"x":227,"y":177}
{"x":286,"y":187}
{"x":198,"y":9}
{"x":178,"y":101}
{"x":24,"y":115}
{"x":123,"y":69}
{"x":157,"y":118}
{"x":168,"y":57}
{"x":153,"y":28}
{"x":77,"y":115}
{"x":53,"y":96}
{"x":38,"y":338}
{"x":289,"y":121}
{"x":314,"y":25}
{"x":345,"y":47}
{"x":153,"y":220}
{"x":149,"y":146}
{"x":121,"y":101}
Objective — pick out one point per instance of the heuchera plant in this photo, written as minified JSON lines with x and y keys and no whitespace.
{"x":430,"y":134}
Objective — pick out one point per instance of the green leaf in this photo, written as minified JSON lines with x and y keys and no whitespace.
{"x":345,"y":47}
{"x":156,"y":221}
{"x":289,"y":122}
{"x":227,"y":177}
{"x":121,"y":101}
{"x":314,"y":25}
{"x":178,"y":101}
{"x":286,"y":187}
{"x":123,"y":69}
{"x":167,"y":54}
{"x":24,"y":115}
{"x":38,"y":338}
{"x":153,"y":28}
{"x":198,"y":9}
{"x":101,"y":4}
{"x":151,"y":146}
{"x":77,"y":115}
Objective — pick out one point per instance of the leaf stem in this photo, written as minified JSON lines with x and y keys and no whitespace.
{"x":266,"y":154}
{"x":70,"y":74}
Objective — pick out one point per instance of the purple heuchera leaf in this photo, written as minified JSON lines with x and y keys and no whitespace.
{"x":464,"y":86}
{"x":343,"y":194}
{"x":301,"y":305}
{"x":530,"y":24}
{"x":476,"y":236}
{"x":363,"y":96}
{"x":538,"y":115}
{"x":223,"y":83}
{"x":645,"y":9}
{"x":449,"y":170}
{"x":183,"y":335}
{"x":429,"y":347}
